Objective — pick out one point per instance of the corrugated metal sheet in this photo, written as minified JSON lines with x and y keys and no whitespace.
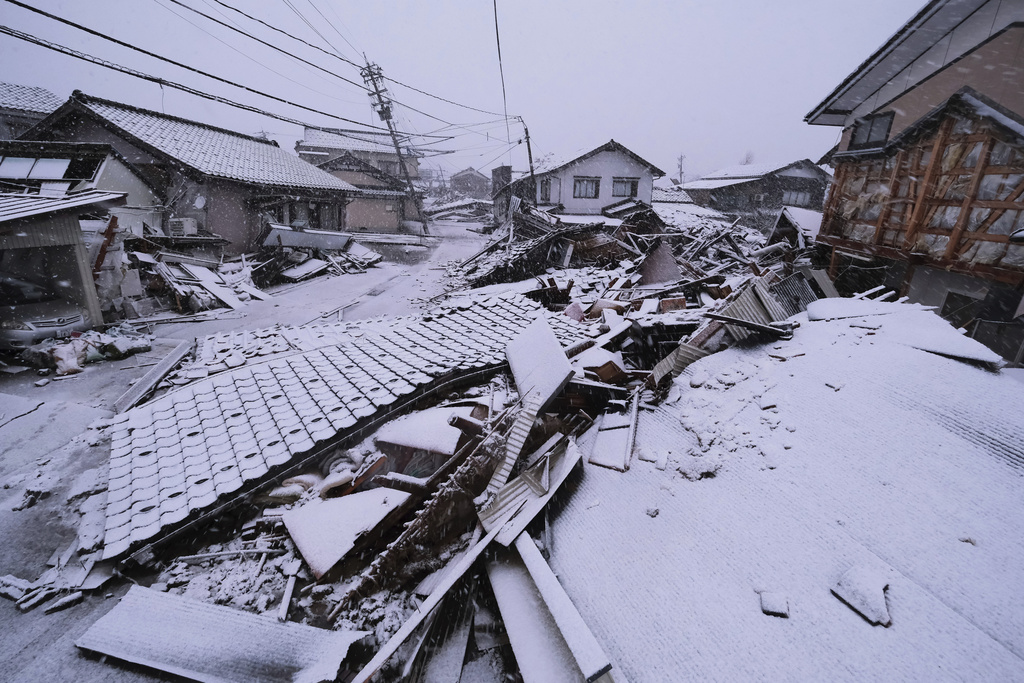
{"x":15,"y":206}
{"x":755,"y":304}
{"x":677,"y":361}
{"x":49,"y":231}
{"x":283,"y":236}
{"x":794,"y":293}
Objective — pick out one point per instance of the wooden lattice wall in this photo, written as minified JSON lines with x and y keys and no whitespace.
{"x":952,"y":198}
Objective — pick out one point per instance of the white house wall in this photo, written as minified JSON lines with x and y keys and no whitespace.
{"x":606,"y":165}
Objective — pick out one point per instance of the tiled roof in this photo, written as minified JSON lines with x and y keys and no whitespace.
{"x":20,"y":205}
{"x":671,"y":195}
{"x":28,"y":98}
{"x":358,"y":140}
{"x":214,"y":151}
{"x":176,"y":457}
{"x":744,"y":171}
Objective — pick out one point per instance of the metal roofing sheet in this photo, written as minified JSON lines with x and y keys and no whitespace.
{"x":284,"y":236}
{"x":14,"y":206}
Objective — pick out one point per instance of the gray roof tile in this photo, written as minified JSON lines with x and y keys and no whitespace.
{"x":214,"y":151}
{"x":28,"y":98}
{"x":258,"y":418}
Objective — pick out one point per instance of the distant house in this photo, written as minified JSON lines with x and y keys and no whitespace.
{"x":750,"y":188}
{"x":929,"y":190}
{"x":380,"y":202}
{"x":319,"y":145}
{"x":472,"y":182}
{"x":587,"y":185}
{"x":23,"y":106}
{"x":214,"y":180}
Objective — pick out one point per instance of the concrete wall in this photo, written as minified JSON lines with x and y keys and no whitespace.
{"x":606,"y":165}
{"x":372,"y":215}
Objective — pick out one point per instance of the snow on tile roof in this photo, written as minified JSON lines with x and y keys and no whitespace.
{"x":744,"y":171}
{"x":28,"y":98}
{"x":214,"y":151}
{"x":671,"y":194}
{"x":842,"y":446}
{"x":174,"y":458}
{"x":363,"y":141}
{"x":689,"y":217}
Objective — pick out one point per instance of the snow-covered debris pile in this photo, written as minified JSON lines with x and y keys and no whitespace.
{"x":873,"y":437}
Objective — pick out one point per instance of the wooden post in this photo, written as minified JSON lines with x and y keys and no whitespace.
{"x":883,"y":215}
{"x":834,"y":194}
{"x":833,"y":265}
{"x":929,"y":177}
{"x":969,"y":197}
{"x":108,"y":237}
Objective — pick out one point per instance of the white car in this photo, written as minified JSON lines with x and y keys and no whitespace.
{"x":30,"y":313}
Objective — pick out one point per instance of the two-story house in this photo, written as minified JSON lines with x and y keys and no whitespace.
{"x":586,"y":185}
{"x":749,"y":188}
{"x":929,"y":190}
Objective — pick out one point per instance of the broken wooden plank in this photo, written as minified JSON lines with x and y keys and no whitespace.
{"x":148,"y":382}
{"x":780,"y":332}
{"x":214,"y":284}
{"x":541,"y":652}
{"x":423,"y":610}
{"x":206,"y":642}
{"x":588,"y":653}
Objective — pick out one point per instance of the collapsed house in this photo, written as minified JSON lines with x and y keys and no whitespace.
{"x":403,"y":487}
{"x":928,"y":170}
{"x":748,"y":189}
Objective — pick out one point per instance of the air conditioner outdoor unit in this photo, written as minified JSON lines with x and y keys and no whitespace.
{"x":182,"y":227}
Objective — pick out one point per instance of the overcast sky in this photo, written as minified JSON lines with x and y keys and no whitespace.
{"x":713,"y":80}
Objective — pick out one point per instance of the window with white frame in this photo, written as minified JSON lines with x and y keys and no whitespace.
{"x":793,"y":198}
{"x":625,"y":187}
{"x":586,"y":188}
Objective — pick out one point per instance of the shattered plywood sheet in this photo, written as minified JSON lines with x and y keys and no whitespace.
{"x":206,"y":642}
{"x":326,"y":531}
{"x":179,"y":455}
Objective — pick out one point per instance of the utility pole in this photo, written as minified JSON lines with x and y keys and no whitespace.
{"x":529,"y":150}
{"x":373,"y":76}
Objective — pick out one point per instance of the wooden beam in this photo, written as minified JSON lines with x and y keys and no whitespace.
{"x":1012,"y":197}
{"x":834,"y":195}
{"x":969,"y":197}
{"x":929,"y":176}
{"x":883,"y":215}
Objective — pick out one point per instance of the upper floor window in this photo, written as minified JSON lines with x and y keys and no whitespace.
{"x":545,"y":190}
{"x":625,"y":187}
{"x":793,"y":198}
{"x":586,"y":188}
{"x":871,"y":131}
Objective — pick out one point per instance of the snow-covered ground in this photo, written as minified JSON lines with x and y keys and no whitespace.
{"x":789,"y":464}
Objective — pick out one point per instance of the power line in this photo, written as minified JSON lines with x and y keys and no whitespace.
{"x":438,"y":97}
{"x":314,"y":29}
{"x":247,"y":56}
{"x":186,"y":66}
{"x":331,"y":24}
{"x":14,"y":33}
{"x":270,"y":45}
{"x":349,"y":61}
{"x":501,"y":70}
{"x":330,"y":54}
